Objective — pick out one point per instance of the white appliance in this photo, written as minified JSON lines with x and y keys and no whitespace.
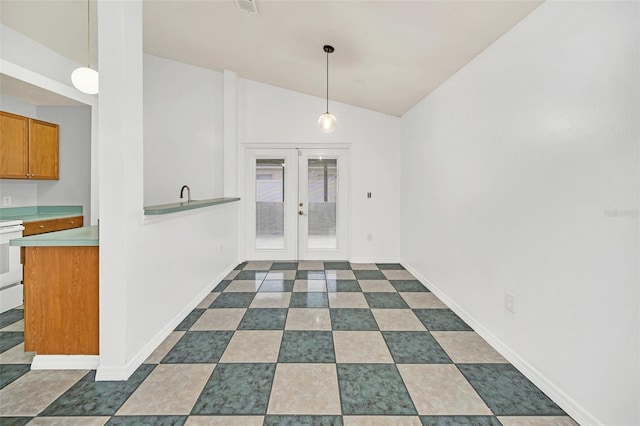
{"x":11,"y":294}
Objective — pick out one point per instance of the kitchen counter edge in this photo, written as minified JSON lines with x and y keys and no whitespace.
{"x":191,"y":205}
{"x":85,"y":236}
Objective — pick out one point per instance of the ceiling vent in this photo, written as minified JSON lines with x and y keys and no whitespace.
{"x":248,"y":6}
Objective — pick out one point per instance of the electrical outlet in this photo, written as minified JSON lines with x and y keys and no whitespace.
{"x":369,"y":236}
{"x":6,"y":201}
{"x":508,"y":301}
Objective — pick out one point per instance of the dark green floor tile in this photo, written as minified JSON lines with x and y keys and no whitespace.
{"x":251,"y":275}
{"x":14,"y":421}
{"x":507,"y":391}
{"x":11,"y":316}
{"x":90,"y":398}
{"x":415,"y":347}
{"x":197,"y":347}
{"x":264,"y":319}
{"x":441,"y":320}
{"x":310,"y":275}
{"x":190,"y":320}
{"x":236,"y":389}
{"x":352,"y":320}
{"x":459,"y":421}
{"x":307,"y":347}
{"x":373,"y":389}
{"x":233,"y":300}
{"x":389,"y":266}
{"x":302,"y":421}
{"x":309,"y":300}
{"x":284,"y":286}
{"x":343,"y":266}
{"x":9,"y":339}
{"x":10,"y":372}
{"x":343,"y":285}
{"x":240,"y":266}
{"x":408,"y":285}
{"x":147,"y":421}
{"x":385,"y":301}
{"x":284,"y":266}
{"x":369,"y":275}
{"x":223,"y":284}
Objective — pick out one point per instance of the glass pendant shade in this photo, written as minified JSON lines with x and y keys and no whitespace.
{"x":85,"y":80}
{"x":327,"y":122}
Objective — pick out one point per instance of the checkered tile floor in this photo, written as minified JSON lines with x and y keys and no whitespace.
{"x":287,"y":343}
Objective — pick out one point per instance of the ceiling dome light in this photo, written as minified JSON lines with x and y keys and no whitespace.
{"x":86,"y":80}
{"x":327,"y":121}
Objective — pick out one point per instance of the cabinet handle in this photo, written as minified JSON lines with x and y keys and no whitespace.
{"x":27,"y":174}
{"x":33,"y":174}
{"x":41,"y":226}
{"x":71,"y":223}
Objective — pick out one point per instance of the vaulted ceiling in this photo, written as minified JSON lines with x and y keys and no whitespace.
{"x":389,"y":54}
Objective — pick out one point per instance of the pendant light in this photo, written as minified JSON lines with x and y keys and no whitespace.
{"x":327,"y":121}
{"x":85,"y":79}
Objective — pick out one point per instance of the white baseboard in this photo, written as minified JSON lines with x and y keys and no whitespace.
{"x":375,"y":260}
{"x":124,"y":372}
{"x":65,"y":362}
{"x":564,"y":401}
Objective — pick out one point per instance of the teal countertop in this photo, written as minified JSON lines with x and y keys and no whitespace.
{"x":85,"y":236}
{"x":34,"y":213}
{"x":179,"y":207}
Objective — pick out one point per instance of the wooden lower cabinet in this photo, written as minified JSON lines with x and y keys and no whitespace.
{"x":61,"y":300}
{"x":50,"y":225}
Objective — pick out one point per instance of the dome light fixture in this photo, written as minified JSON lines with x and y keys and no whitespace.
{"x":85,"y":79}
{"x":327,"y":121}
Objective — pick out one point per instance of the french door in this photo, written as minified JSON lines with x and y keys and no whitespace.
{"x":296,"y":204}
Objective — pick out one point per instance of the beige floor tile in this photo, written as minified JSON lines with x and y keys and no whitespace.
{"x":381,"y":421}
{"x":16,"y":326}
{"x":281,"y":275}
{"x":363,"y":347}
{"x":376,"y":286}
{"x":243,"y":286}
{"x":33,"y":392}
{"x":17,"y":355}
{"x":310,"y":285}
{"x":440,"y":389}
{"x":253,"y":346}
{"x":231,"y":275}
{"x":537,"y":421}
{"x":208,"y":300}
{"x":340,"y":275}
{"x":224,"y":421}
{"x":69,"y":421}
{"x":169,"y":389}
{"x":308,"y":319}
{"x":467,"y":347}
{"x":422,"y":300}
{"x":305,"y":389}
{"x":364,"y":266}
{"x":271,"y":300}
{"x":308,"y":265}
{"x":347,"y":299}
{"x":219,"y":319}
{"x":257,"y":266}
{"x":163,"y":349}
{"x":397,"y":320}
{"x":401,"y":274}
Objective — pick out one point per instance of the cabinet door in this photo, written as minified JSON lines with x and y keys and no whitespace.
{"x":43,"y":150}
{"x":69,"y":223}
{"x":39,"y":227}
{"x":14,"y":138}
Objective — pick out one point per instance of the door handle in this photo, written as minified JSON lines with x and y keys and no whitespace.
{"x":300,"y":212}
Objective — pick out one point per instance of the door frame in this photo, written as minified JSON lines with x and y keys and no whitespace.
{"x":243,"y":157}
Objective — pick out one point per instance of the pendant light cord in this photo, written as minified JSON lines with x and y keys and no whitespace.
{"x":327,"y":82}
{"x":88,"y":34}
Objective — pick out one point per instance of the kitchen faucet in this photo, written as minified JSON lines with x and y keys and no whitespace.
{"x":188,"y":193}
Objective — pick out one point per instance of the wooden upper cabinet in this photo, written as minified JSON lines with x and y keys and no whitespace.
{"x":14,"y":146}
{"x":43,"y":150}
{"x":29,"y":149}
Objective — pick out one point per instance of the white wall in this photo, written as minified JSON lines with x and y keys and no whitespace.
{"x":272,"y":115}
{"x":74,"y":185}
{"x":153,"y":271}
{"x":510,"y":171}
{"x":183,"y":116}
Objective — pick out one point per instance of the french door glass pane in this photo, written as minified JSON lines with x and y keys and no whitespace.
{"x":322,"y":190}
{"x":270,"y":204}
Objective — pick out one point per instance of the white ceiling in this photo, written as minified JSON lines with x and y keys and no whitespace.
{"x":389,"y":54}
{"x":34,"y":95}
